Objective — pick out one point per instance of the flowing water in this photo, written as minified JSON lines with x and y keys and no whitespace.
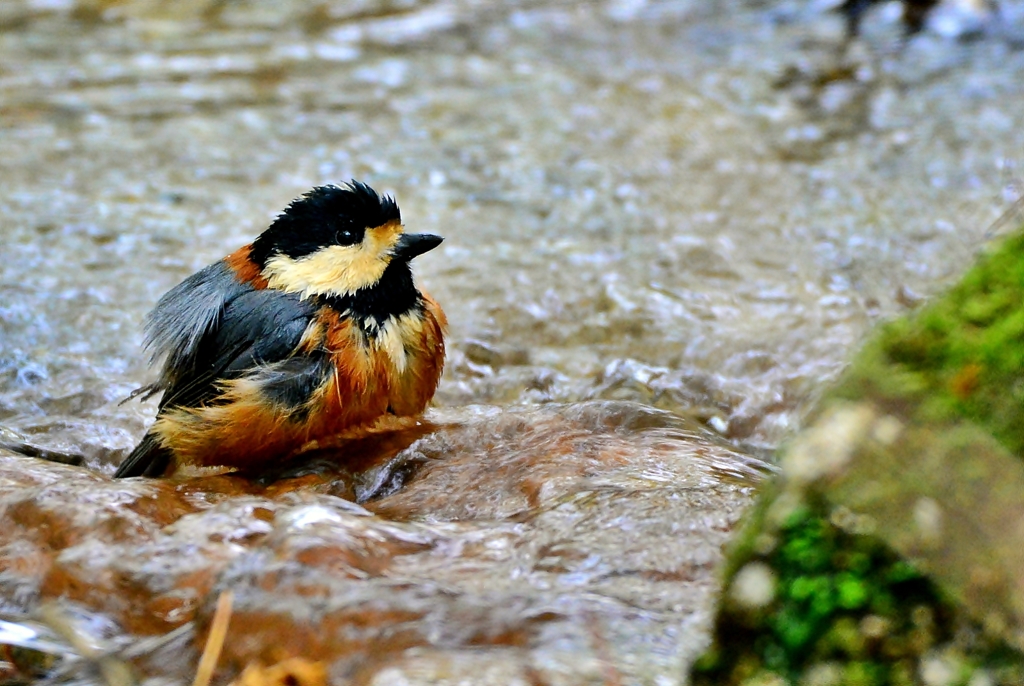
{"x":666,"y":225}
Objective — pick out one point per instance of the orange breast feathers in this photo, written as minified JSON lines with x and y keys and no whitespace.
{"x":368,"y":372}
{"x":394,"y":367}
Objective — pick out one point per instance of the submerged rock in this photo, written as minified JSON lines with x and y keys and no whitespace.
{"x":509,"y":546}
{"x":891,"y":549}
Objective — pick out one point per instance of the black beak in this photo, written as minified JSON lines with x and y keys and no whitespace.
{"x":410,"y":245}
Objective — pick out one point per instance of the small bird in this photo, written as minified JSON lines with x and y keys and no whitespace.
{"x":312,"y":330}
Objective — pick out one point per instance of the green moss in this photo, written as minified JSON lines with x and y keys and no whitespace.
{"x":828,"y":583}
{"x":845,"y":607}
{"x":845,"y":601}
{"x":853,"y":593}
{"x":960,"y":357}
{"x":862,"y":673}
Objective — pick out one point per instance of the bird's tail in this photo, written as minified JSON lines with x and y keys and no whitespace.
{"x":148,"y":459}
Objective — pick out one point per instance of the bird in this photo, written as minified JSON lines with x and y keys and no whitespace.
{"x":314,"y":329}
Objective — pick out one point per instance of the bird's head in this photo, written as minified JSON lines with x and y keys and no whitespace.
{"x":335,"y":241}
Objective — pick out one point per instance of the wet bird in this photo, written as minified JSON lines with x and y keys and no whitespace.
{"x":312,"y":330}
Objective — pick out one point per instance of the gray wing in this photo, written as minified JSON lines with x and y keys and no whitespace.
{"x":236,"y":332}
{"x":184,"y":317}
{"x":257,"y":329}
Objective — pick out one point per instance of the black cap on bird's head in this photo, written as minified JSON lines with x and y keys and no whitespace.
{"x":336,"y":240}
{"x":326,"y":215}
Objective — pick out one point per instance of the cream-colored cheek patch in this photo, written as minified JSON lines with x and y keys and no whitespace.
{"x":335,"y":269}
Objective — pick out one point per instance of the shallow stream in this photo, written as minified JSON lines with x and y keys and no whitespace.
{"x":667,"y":224}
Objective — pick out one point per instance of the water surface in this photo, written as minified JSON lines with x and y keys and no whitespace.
{"x":690,"y":207}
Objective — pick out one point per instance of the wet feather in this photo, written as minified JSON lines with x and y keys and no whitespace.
{"x":259,"y":359}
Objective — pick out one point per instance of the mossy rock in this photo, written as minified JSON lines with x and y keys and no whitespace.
{"x":961,"y":358}
{"x":891,"y":548}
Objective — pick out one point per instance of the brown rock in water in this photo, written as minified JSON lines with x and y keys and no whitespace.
{"x":544,"y":542}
